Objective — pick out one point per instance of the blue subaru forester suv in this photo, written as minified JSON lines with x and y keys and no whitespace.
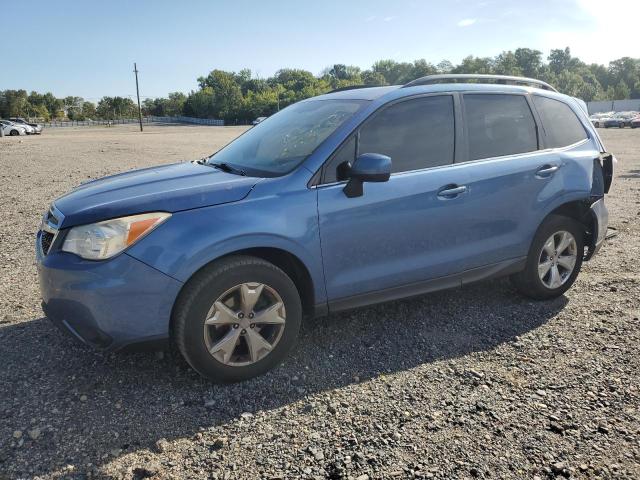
{"x":343,"y":200}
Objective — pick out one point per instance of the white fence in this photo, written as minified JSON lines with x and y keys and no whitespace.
{"x":614,"y":106}
{"x":89,"y":123}
{"x":195,"y":121}
{"x":125,"y":121}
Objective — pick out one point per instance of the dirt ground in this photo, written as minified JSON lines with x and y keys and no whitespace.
{"x":476,"y":382}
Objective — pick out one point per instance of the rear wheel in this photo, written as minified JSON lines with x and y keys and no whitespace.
{"x":237,"y":319}
{"x":554,"y":259}
{"x":14,"y":133}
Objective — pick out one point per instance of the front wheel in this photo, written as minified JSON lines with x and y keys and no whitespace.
{"x":14,"y":133}
{"x":237,"y":319}
{"x":554,"y":259}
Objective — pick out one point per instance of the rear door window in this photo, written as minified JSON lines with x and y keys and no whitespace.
{"x":499,"y":125}
{"x":560,"y":123}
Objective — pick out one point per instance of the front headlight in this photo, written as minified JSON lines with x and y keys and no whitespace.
{"x":102,"y":240}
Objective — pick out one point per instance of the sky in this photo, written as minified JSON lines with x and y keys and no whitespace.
{"x":87,"y":48}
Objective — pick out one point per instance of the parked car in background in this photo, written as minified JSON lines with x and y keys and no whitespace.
{"x":614,"y":121}
{"x":28,"y":128}
{"x":258,"y":120}
{"x":37,"y":128}
{"x":635,"y":122}
{"x":12,"y":129}
{"x":627,"y":117}
{"x":597,"y":119}
{"x":336,"y":202}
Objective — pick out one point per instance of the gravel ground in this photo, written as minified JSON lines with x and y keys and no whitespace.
{"x":470,"y":383}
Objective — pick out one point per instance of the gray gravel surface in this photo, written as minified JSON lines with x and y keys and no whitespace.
{"x":470,"y":383}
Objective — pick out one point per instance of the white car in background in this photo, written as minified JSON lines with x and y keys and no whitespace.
{"x":12,"y":129}
{"x":597,"y":119}
{"x":28,"y":128}
{"x":37,"y":129}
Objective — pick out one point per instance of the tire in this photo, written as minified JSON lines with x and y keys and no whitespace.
{"x":597,"y":125}
{"x":529,"y":282}
{"x":203,"y":294}
{"x":621,"y":125}
{"x":14,"y":133}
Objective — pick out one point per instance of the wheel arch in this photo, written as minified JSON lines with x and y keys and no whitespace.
{"x":579,"y":210}
{"x":286,"y":261}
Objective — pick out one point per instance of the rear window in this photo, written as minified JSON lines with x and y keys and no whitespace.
{"x":560,"y":123}
{"x":499,"y":125}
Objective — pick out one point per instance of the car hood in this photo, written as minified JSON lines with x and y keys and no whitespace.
{"x":168,"y":188}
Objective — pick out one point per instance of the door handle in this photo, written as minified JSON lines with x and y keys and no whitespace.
{"x":451,"y":191}
{"x":546,"y":171}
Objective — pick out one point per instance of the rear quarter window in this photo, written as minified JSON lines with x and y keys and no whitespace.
{"x":561,"y":125}
{"x":499,"y":125}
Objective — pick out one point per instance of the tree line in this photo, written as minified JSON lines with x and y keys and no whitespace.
{"x":238,"y":97}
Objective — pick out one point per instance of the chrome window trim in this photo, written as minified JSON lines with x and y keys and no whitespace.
{"x":488,"y":159}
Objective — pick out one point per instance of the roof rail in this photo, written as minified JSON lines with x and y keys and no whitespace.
{"x":465,"y":78}
{"x":350,"y":87}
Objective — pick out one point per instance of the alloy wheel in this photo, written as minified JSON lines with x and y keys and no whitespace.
{"x":244,"y":324}
{"x":557,"y":259}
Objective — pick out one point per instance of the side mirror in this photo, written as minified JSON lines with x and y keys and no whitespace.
{"x":368,"y":167}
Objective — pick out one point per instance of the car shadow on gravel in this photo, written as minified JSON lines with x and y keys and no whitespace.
{"x":631,"y":174}
{"x":75,"y":406}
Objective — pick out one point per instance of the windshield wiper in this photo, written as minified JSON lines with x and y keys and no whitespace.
{"x":225,"y":167}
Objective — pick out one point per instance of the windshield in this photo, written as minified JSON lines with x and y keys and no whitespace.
{"x":281,"y":142}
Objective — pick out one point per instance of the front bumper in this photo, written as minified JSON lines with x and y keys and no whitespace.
{"x":109,"y":304}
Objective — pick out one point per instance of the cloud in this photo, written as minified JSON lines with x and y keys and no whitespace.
{"x":466,"y":22}
{"x":389,"y":19}
{"x":370,"y":18}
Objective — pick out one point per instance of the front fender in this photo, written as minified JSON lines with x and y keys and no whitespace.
{"x":190,"y":240}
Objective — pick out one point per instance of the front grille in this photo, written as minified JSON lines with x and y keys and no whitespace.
{"x":46,"y":239}
{"x":51,"y":223}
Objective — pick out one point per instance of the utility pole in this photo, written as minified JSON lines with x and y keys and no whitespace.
{"x":135,"y":70}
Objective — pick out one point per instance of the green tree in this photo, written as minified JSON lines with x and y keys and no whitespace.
{"x":111,"y":108}
{"x":445,"y":66}
{"x":473,"y":64}
{"x":200,"y":104}
{"x":73,"y":107}
{"x":621,"y":91}
{"x":529,"y":61}
{"x":241,"y":96}
{"x":227,"y":95}
{"x":561,"y":60}
{"x":422,"y":68}
{"x":373,"y":79}
{"x":394,"y":73}
{"x":88,"y":110}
